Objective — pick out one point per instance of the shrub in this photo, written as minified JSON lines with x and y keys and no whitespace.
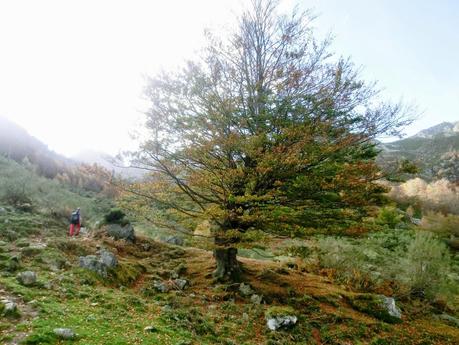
{"x":115,"y":216}
{"x":426,"y":267}
{"x":393,"y":262}
{"x":16,"y":193}
{"x":447,"y":225}
{"x":389,"y":216}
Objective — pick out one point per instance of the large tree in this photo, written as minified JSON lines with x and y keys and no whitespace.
{"x":266,"y":133}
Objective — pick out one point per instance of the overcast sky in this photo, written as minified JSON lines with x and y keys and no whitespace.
{"x":71,"y":71}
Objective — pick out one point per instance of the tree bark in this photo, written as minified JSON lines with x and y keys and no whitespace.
{"x":228,"y":268}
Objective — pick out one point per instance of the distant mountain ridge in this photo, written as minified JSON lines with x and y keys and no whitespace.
{"x":427,"y":149}
{"x":444,"y":128}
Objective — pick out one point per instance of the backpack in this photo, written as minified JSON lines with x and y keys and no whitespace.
{"x":75,"y":218}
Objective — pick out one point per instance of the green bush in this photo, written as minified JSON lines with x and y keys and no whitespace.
{"x":389,"y":216}
{"x":425,"y":268}
{"x":115,"y":216}
{"x":411,"y":262}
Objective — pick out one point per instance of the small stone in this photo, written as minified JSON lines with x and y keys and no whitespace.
{"x":146,"y":247}
{"x":378,"y":306}
{"x":27,"y":278}
{"x":175,"y":240}
{"x":278,"y":322}
{"x":246,"y":290}
{"x":166,"y":308}
{"x":160,"y":286}
{"x":2,"y":211}
{"x":256,"y":299}
{"x":10,"y":309}
{"x":150,"y":329}
{"x":64,"y":333}
{"x":91,"y":318}
{"x":181,"y":283}
{"x":392,"y":309}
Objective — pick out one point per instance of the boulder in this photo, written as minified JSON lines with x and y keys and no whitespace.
{"x":378,"y":306}
{"x":108,"y":258}
{"x":92,"y":263}
{"x":119,"y":232}
{"x":280,"y":318}
{"x":64,"y":333}
{"x":27,"y":278}
{"x":178,"y":241}
{"x":99,"y":264}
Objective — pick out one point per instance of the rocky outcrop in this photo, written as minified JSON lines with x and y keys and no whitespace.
{"x":99,"y":264}
{"x":119,"y":232}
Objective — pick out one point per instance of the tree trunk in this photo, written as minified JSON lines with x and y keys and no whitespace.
{"x":228,"y":268}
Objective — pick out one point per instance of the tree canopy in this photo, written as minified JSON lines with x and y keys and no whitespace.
{"x":267,"y":132}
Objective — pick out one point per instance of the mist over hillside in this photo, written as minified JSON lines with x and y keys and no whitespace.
{"x":17,"y":144}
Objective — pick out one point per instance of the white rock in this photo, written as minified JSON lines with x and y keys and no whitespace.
{"x":64,"y":333}
{"x":284,"y":321}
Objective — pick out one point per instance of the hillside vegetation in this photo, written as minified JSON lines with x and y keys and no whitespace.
{"x":126,"y":306}
{"x":264,"y":214}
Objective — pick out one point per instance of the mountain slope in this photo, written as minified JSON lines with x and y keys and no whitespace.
{"x":426,"y":149}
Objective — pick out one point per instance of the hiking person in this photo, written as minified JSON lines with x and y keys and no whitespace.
{"x":75,"y":219}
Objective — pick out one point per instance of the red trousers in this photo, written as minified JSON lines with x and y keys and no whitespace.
{"x":72,"y":229}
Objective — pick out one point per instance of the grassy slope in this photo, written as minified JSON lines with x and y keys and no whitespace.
{"x":47,"y":197}
{"x":116,"y":311}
